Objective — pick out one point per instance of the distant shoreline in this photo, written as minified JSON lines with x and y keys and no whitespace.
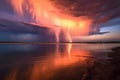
{"x":53,"y":42}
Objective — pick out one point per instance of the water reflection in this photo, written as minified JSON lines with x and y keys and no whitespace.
{"x":55,"y":61}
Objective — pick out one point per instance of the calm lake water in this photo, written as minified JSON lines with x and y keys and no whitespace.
{"x":60,"y":61}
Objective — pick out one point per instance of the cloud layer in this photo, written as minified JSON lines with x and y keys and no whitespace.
{"x":103,"y":12}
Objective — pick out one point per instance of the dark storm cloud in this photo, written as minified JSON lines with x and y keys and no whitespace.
{"x":101,"y":11}
{"x":5,"y":6}
{"x":20,"y":31}
{"x":98,"y":33}
{"x":13,"y":30}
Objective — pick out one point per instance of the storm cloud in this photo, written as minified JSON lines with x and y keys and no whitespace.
{"x":100,"y":11}
{"x":103,"y":12}
{"x":97,"y":9}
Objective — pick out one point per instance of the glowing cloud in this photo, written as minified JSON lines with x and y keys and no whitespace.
{"x":44,"y":12}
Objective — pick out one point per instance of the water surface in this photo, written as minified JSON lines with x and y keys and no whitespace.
{"x":59,"y":61}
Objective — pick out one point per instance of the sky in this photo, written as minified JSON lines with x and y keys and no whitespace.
{"x":104,"y":17}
